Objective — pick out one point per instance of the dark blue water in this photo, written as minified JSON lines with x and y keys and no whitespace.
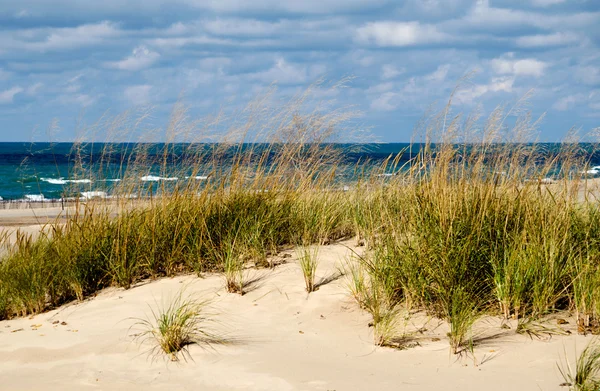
{"x":56,"y":170}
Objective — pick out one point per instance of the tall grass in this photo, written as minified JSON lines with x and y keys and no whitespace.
{"x":469,"y":225}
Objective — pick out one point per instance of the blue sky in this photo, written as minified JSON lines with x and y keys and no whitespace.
{"x":67,"y":62}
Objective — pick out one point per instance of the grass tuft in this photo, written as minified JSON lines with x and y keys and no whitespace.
{"x":586,"y":376}
{"x":308,"y":259}
{"x":174,"y":326}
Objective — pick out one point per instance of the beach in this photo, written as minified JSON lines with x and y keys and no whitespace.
{"x":277,"y":336}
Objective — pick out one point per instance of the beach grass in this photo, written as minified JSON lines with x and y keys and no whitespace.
{"x":586,"y":374}
{"x":174,"y":326}
{"x":462,"y":229}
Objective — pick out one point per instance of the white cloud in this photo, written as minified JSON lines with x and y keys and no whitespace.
{"x":7,"y":96}
{"x":195,"y":77}
{"x":567,"y":102}
{"x":34,"y":89}
{"x":304,"y":6}
{"x":178,"y":42}
{"x":439,"y":74}
{"x":399,"y":34}
{"x":385,"y":102}
{"x":138,"y":95}
{"x":488,"y":17}
{"x":588,"y":75}
{"x":379,"y":88}
{"x":498,"y":84}
{"x":83,"y":100}
{"x":243,"y":27}
{"x":74,"y":37}
{"x":389,"y":71}
{"x":214,"y":62}
{"x":140,"y":58}
{"x":283,"y":72}
{"x":4,"y":75}
{"x":22,"y":14}
{"x":547,"y":40}
{"x":507,"y":65}
{"x":362,"y":58}
{"x":546,"y":3}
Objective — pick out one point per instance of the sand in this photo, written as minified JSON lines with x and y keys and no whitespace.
{"x":280,"y":337}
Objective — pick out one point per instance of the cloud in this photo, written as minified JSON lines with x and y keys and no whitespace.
{"x":589,"y":75}
{"x":487,"y":17}
{"x":44,"y":39}
{"x":568,"y":102}
{"x":4,"y":75}
{"x":178,"y":42}
{"x":546,"y":3}
{"x":141,"y":58}
{"x":34,"y":88}
{"x":381,"y":87}
{"x":399,"y":34}
{"x":302,"y":7}
{"x":498,"y":84}
{"x":283,"y":72}
{"x":243,"y":27}
{"x":389,"y":71}
{"x":547,"y":40}
{"x":385,"y":102}
{"x":74,"y":37}
{"x":439,"y":74}
{"x":7,"y":96}
{"x":138,"y":95}
{"x":507,"y":65}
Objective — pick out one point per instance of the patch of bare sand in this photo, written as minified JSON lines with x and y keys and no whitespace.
{"x":284,"y":340}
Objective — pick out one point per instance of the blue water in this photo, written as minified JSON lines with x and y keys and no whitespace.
{"x":56,"y":170}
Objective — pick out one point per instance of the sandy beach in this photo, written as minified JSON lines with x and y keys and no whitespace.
{"x":280,"y":338}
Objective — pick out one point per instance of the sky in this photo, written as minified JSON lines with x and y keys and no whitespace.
{"x":66,"y":63}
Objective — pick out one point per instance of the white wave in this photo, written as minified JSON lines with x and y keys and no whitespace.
{"x":35,"y":197}
{"x":592,"y":171}
{"x":88,"y":195}
{"x":62,"y":181}
{"x":112,"y":180}
{"x":154,"y":178}
{"x":197,"y":177}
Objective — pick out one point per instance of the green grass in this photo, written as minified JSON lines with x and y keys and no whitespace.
{"x":174,"y":326}
{"x":308,"y":260}
{"x":586,"y":374}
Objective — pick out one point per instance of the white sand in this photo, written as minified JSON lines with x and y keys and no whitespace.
{"x":284,"y":340}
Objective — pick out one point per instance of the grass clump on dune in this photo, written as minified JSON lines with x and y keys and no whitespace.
{"x":586,"y":376}
{"x":175,"y":326}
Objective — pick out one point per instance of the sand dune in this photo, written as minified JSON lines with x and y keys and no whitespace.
{"x":282,"y":339}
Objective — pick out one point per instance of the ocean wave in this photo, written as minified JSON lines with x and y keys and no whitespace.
{"x":154,"y":178}
{"x":35,"y":197}
{"x":88,"y":195}
{"x":62,"y":181}
{"x":197,"y":177}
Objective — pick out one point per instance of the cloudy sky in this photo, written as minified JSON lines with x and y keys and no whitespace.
{"x":72,"y":60}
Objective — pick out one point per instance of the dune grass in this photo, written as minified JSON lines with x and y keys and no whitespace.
{"x":460,"y":230}
{"x":307,"y":258}
{"x":586,"y":374}
{"x":174,"y":326}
